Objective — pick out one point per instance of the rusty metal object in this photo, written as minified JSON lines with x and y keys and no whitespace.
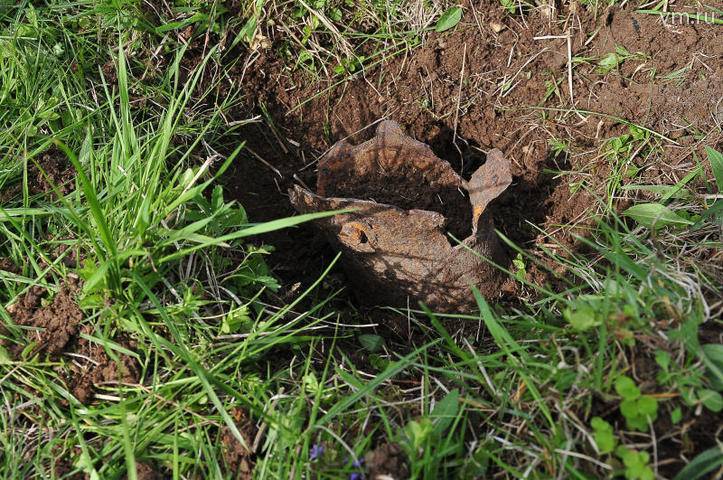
{"x":395,"y":245}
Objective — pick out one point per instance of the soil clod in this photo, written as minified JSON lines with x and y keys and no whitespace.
{"x":387,"y":461}
{"x":146,"y":471}
{"x":51,"y":326}
{"x":406,"y":201}
{"x":240,"y":459}
{"x":54,"y":329}
{"x":94,"y":366}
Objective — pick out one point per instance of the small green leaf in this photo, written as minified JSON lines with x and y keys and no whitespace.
{"x":636,"y":464}
{"x":249,"y":30}
{"x":519,"y":264}
{"x":676,"y":415}
{"x":445,"y":411}
{"x":4,"y":356}
{"x":378,"y":362}
{"x":662,"y":358}
{"x":623,"y":453}
{"x":372,"y":343}
{"x":629,"y":409}
{"x":581,"y":318}
{"x":604,"y":436}
{"x":648,"y":406}
{"x":608,"y":63}
{"x":449,"y":19}
{"x":418,"y":432}
{"x":233,"y":321}
{"x":713,"y":358}
{"x":626,"y":388}
{"x":714,"y":351}
{"x":711,"y":399}
{"x":335,"y":14}
{"x":510,"y":5}
{"x":655,"y":215}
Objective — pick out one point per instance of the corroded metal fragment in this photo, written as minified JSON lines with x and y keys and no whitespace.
{"x":407,"y":202}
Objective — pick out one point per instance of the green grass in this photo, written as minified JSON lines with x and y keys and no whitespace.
{"x":509,"y":390}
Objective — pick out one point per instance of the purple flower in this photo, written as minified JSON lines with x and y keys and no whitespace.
{"x":316,"y":452}
{"x":357,"y":463}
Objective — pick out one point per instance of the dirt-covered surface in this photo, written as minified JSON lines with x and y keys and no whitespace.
{"x":240,"y":459}
{"x":146,"y":471}
{"x":402,"y":203}
{"x":388,"y":460}
{"x":51,"y":327}
{"x":478,"y":87}
{"x":93,"y":367}
{"x":48,"y":173}
{"x":551,"y":103}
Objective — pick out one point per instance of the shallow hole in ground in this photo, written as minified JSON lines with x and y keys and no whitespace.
{"x":270,"y":165}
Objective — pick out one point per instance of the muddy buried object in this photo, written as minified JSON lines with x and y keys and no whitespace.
{"x":396,"y":248}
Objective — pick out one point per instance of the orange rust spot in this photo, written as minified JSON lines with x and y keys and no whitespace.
{"x":355,"y":232}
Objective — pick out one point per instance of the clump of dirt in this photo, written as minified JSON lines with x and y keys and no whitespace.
{"x":51,"y":326}
{"x":8,"y":265}
{"x":392,"y":254}
{"x":240,"y":459}
{"x":71,"y":257}
{"x":479,"y":87}
{"x":146,"y":471}
{"x":388,"y":460}
{"x":93,"y":367}
{"x":53,"y":329}
{"x":671,"y":81}
{"x":61,"y":465}
{"x":51,"y":170}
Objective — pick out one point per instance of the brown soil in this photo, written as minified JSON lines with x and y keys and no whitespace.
{"x":475,"y":88}
{"x":52,"y":328}
{"x":240,"y":460}
{"x":51,"y":170}
{"x":8,"y":265}
{"x":387,"y":460}
{"x":392,"y":255}
{"x":146,"y":471}
{"x":93,"y":367}
{"x":469,"y":90}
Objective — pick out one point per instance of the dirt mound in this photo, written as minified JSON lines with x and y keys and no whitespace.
{"x":240,"y":459}
{"x":8,"y":265}
{"x":51,"y":170}
{"x":387,"y":461}
{"x":477,"y":87}
{"x":669,"y":79}
{"x":93,"y":367}
{"x":404,"y":200}
{"x":52,"y":328}
{"x":146,"y":471}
